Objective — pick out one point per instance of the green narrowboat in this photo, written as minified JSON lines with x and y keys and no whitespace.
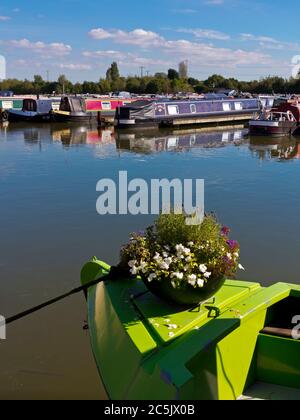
{"x":243,"y":344}
{"x":8,"y":103}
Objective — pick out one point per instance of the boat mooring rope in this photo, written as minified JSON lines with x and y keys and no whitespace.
{"x":55,"y":300}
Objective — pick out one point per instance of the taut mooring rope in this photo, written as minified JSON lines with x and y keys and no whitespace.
{"x":55,"y":300}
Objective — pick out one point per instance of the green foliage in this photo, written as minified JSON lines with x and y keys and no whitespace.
{"x":173,"y":74}
{"x":113,"y":74}
{"x":182,"y":254}
{"x":159,"y":83}
{"x":172,"y":229}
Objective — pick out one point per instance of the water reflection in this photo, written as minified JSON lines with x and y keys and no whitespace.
{"x":183,"y":140}
{"x":280,"y":148}
{"x":155,"y":141}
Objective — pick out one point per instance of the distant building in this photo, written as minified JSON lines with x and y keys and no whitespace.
{"x":2,"y":68}
{"x":184,"y":69}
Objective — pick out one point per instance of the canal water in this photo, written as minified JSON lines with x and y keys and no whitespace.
{"x":49,"y":228}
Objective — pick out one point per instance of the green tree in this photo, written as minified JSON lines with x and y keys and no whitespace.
{"x":173,"y":74}
{"x":113,"y":74}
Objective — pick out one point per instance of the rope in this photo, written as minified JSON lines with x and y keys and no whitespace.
{"x":55,"y":300}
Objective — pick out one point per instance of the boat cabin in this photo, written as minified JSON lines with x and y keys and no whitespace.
{"x":72,"y":104}
{"x":40,"y":106}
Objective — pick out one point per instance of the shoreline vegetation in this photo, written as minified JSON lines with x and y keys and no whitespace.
{"x":171,"y":82}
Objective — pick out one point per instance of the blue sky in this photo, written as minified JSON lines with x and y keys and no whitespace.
{"x":80,"y":38}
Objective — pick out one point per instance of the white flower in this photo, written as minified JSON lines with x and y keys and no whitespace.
{"x":180,"y":248}
{"x":188,"y":259}
{"x":165,"y":254}
{"x":132,"y":263}
{"x":200,"y":282}
{"x":174,"y":285}
{"x":168,"y":261}
{"x":203,"y":268}
{"x":157,"y":257}
{"x":229,"y":256}
{"x":236,"y":254}
{"x":207,"y":275}
{"x":152,"y":277}
{"x":134,"y":271}
{"x":143,"y":267}
{"x":241,"y":267}
{"x":191,"y":244}
{"x":192,"y":279}
{"x":164,"y":266}
{"x":179,"y":276}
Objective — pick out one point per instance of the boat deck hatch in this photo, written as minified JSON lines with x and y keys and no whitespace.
{"x":168,"y":321}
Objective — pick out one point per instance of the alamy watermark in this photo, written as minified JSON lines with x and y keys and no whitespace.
{"x":139,"y":197}
{"x":2,"y":67}
{"x":2,"y":328}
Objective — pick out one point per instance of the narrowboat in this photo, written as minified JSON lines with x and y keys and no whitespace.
{"x":280,"y":121}
{"x":35,"y":110}
{"x":8,"y":103}
{"x":186,"y":112}
{"x":79,"y":109}
{"x":244,"y":344}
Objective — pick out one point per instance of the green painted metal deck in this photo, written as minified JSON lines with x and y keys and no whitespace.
{"x":147,"y":349}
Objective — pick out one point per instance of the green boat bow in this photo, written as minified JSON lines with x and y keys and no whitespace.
{"x":146,"y":349}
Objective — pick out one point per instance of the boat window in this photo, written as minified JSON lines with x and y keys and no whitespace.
{"x":226,"y":106}
{"x":193,"y":109}
{"x":29,"y":105}
{"x":106,"y":105}
{"x":173,"y":110}
{"x":65,"y":105}
{"x":238,"y":106}
{"x":55,"y":106}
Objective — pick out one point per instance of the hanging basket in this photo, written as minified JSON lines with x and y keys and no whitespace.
{"x":186,"y":295}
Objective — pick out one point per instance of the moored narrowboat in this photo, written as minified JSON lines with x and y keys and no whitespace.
{"x":280,"y":121}
{"x":35,"y":110}
{"x":79,"y":109}
{"x":8,"y":103}
{"x":186,"y":112}
{"x":244,"y":344}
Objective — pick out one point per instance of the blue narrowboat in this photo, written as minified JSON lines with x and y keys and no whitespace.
{"x":35,"y":110}
{"x":186,"y":112}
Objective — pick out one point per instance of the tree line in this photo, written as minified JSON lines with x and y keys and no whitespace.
{"x":171,"y":82}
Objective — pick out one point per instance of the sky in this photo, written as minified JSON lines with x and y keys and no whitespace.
{"x":80,"y":38}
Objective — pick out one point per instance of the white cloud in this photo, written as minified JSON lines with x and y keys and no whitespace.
{"x":4,"y":18}
{"x":199,"y":53}
{"x":111,"y":54}
{"x":55,"y":48}
{"x":206,"y":34}
{"x":139,"y":37}
{"x":71,"y":66}
{"x":270,"y":43}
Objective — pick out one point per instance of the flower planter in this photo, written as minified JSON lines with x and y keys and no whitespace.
{"x":186,"y":295}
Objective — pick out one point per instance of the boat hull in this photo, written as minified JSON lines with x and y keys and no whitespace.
{"x":147,"y":349}
{"x":84,"y":117}
{"x":272,"y":128}
{"x":15,"y":116}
